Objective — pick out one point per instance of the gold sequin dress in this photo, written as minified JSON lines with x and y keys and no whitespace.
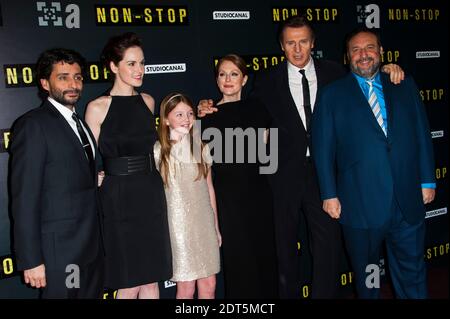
{"x":195,"y":249}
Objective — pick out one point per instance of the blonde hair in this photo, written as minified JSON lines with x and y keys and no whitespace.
{"x":167,"y":105}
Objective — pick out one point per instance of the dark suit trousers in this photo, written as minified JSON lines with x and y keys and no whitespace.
{"x":324,"y":234}
{"x":91,"y":282}
{"x":405,"y":247}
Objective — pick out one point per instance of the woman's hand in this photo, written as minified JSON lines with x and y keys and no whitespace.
{"x":205,"y":107}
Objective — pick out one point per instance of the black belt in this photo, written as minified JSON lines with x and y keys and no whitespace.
{"x":128,"y":165}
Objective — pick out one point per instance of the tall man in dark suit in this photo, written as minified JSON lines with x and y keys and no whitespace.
{"x":54,"y":187}
{"x":282,"y":90}
{"x":374,"y":157}
{"x":289,"y":95}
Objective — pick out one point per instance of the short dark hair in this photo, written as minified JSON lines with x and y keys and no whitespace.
{"x":44,"y":65}
{"x":116,"y":46}
{"x":236,"y":60}
{"x":295,"y":22}
{"x":359,"y":30}
{"x":47,"y":59}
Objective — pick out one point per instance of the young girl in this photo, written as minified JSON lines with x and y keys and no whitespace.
{"x":184,"y":163}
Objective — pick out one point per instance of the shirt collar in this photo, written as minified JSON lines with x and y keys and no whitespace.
{"x":363,"y":81}
{"x":65,"y":111}
{"x":308,"y":67}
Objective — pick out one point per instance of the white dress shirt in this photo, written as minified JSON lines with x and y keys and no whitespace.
{"x":67,"y":114}
{"x":296,"y":88}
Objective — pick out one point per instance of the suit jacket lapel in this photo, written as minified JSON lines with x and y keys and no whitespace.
{"x":362,"y":100}
{"x":388,"y":94}
{"x":96,"y":152}
{"x":319,"y":76}
{"x":70,"y":134}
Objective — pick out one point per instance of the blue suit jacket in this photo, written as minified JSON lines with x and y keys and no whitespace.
{"x":357,"y":163}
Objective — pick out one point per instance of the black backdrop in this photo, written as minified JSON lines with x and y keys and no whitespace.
{"x":182,"y":40}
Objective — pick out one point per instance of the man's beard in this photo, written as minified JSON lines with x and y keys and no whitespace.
{"x":367,"y":73}
{"x":59,"y":96}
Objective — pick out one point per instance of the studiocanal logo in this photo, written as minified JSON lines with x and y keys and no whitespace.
{"x":231,"y":15}
{"x":428,"y":54}
{"x":165,"y":68}
{"x":437,"y":134}
{"x":52,"y":15}
{"x":436,"y":212}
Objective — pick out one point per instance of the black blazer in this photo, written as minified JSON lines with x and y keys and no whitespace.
{"x":53,"y":193}
{"x":272,"y":88}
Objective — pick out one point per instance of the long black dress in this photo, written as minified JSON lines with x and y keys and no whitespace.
{"x":136,"y":229}
{"x":245,"y":211}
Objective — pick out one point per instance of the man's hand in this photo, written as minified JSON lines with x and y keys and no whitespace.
{"x":333,"y":207}
{"x":205,"y":107}
{"x":395,"y":72}
{"x":35,"y":276}
{"x":428,"y":195}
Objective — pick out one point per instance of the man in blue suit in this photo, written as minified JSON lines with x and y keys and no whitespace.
{"x":374,"y":158}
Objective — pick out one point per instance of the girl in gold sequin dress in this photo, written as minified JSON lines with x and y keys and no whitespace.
{"x":184,"y":163}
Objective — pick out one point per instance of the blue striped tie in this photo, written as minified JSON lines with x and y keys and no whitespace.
{"x":375,"y":106}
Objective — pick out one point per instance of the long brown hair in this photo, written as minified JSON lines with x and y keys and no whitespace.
{"x":167,"y":105}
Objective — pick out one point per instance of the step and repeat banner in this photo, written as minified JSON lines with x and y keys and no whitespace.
{"x":182,"y":42}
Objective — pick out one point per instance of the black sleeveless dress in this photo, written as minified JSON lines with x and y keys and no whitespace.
{"x":136,"y":229}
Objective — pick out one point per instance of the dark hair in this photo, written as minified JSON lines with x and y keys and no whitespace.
{"x":47,"y":59}
{"x":116,"y":46}
{"x":236,"y":60}
{"x":359,"y":30}
{"x":295,"y":22}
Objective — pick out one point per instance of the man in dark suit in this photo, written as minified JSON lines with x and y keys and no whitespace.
{"x":54,"y":187}
{"x":374,"y":157}
{"x":295,"y":185}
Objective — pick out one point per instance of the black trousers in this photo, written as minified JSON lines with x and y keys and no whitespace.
{"x":324,"y":234}
{"x":90,"y":283}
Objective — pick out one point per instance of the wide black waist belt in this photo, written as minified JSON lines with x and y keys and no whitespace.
{"x":128,"y":165}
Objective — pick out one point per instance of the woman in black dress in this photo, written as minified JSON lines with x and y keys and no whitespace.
{"x":136,"y":233}
{"x":243,"y":194}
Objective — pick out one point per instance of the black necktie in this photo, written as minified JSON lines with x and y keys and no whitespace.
{"x":85,"y":141}
{"x":306,"y":99}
